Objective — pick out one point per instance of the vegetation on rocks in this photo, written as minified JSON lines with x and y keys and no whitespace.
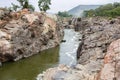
{"x":108,"y":10}
{"x":22,"y":5}
{"x":64,"y":14}
{"x":44,"y":5}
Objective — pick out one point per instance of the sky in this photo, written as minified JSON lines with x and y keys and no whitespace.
{"x":61,"y":5}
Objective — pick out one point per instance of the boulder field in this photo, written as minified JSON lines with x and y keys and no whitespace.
{"x":25,"y":33}
{"x":98,"y":53}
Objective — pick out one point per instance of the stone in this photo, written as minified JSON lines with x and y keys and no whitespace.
{"x":98,"y":53}
{"x":111,"y":71}
{"x":97,"y":37}
{"x":4,"y":13}
{"x":56,"y":73}
{"x":30,"y":18}
{"x":27,"y":35}
{"x":63,"y":41}
{"x":0,"y":64}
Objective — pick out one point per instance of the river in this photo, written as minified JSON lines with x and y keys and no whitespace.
{"x":29,"y":68}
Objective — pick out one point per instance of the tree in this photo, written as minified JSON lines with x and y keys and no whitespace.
{"x":64,"y":14}
{"x":25,"y":4}
{"x":22,"y":5}
{"x":108,"y":10}
{"x":44,"y":5}
{"x":116,"y":4}
{"x":14,"y":7}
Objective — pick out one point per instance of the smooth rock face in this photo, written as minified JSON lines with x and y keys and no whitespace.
{"x":27,"y":34}
{"x":111,"y":69}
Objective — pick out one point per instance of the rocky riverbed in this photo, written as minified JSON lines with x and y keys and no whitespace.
{"x":25,"y":33}
{"x":98,"y":52}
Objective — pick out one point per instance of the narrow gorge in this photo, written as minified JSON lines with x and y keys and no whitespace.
{"x":42,"y":46}
{"x":25,"y":35}
{"x":97,"y":54}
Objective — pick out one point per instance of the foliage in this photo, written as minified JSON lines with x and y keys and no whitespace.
{"x":64,"y":14}
{"x":108,"y":10}
{"x":22,"y":5}
{"x":44,"y":5}
{"x":15,"y":7}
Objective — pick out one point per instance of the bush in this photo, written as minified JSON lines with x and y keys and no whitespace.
{"x":108,"y":10}
{"x":64,"y":14}
{"x":22,"y":5}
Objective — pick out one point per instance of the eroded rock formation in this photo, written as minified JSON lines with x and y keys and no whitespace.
{"x":111,"y":69}
{"x":23,"y":33}
{"x":96,"y":39}
{"x":98,"y":52}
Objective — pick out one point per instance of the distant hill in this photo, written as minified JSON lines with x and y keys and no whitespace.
{"x":78,"y":10}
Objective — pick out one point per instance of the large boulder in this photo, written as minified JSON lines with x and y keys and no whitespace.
{"x":63,"y":72}
{"x":29,"y":34}
{"x":57,"y":73}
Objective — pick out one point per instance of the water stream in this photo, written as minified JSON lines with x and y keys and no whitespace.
{"x":29,"y":68}
{"x":69,"y":48}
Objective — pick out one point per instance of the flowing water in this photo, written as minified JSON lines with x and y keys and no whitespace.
{"x":29,"y":68}
{"x":69,"y":48}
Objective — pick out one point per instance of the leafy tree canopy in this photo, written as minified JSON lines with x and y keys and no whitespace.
{"x":22,"y":5}
{"x":64,"y":14}
{"x":44,"y":5}
{"x":108,"y":10}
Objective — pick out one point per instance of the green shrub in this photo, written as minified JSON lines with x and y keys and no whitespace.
{"x":108,"y":10}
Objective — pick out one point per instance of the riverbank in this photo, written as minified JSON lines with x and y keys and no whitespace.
{"x":30,"y":67}
{"x":25,"y":33}
{"x":98,"y":53}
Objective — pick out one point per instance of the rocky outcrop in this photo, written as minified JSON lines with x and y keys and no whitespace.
{"x":96,"y":61}
{"x":56,"y":73}
{"x":23,"y":34}
{"x":111,"y":69}
{"x":79,"y":24}
{"x":63,"y":72}
{"x":96,"y":38}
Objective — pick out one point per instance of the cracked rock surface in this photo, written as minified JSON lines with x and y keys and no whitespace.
{"x":98,"y":52}
{"x":25,"y":33}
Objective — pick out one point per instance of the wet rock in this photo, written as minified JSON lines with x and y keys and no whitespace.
{"x":0,"y":64}
{"x":63,"y":41}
